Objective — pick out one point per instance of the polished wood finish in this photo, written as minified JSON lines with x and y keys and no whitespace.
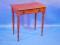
{"x":27,"y":8}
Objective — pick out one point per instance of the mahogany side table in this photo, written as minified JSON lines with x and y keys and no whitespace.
{"x":27,"y":8}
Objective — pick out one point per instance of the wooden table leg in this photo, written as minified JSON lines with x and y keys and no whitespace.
{"x":22,"y":20}
{"x":35,"y":20}
{"x":43,"y":13}
{"x":13,"y":20}
{"x":18,"y":27}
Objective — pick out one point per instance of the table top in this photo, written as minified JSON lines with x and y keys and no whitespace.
{"x":27,"y":6}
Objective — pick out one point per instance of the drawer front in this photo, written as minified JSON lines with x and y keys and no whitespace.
{"x":18,"y":12}
{"x":28,"y":11}
{"x":31,"y":11}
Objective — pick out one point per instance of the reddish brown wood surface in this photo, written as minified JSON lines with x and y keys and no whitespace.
{"x":28,"y":8}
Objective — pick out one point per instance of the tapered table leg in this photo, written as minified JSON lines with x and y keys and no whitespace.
{"x":22,"y":20}
{"x":43,"y":13}
{"x":13,"y":20}
{"x":18,"y":27}
{"x":35,"y":19}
